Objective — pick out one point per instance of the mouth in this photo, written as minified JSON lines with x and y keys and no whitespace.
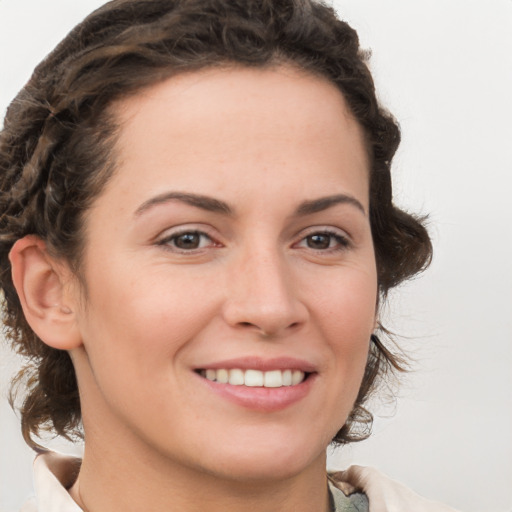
{"x":258,"y":384}
{"x":255,"y":378}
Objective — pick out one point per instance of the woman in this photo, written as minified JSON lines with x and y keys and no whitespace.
{"x":198,"y":220}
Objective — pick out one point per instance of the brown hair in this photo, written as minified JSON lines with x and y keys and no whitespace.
{"x":56,"y":151}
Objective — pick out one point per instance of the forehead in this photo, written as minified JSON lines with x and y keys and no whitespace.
{"x":238,"y":120}
{"x":259,"y":94}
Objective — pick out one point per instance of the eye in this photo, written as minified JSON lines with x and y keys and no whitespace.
{"x":187,"y":240}
{"x":324,"y":241}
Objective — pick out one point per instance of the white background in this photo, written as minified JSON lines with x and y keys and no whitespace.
{"x":444,"y":68}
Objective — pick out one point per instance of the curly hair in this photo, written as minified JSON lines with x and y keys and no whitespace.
{"x":56,"y":153}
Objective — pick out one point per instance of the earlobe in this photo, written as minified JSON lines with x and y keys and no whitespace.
{"x":43,"y":289}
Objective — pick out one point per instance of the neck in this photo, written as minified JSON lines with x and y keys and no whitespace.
{"x":124,"y":470}
{"x":132,"y":481}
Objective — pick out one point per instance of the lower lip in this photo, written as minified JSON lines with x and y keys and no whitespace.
{"x":261,"y":398}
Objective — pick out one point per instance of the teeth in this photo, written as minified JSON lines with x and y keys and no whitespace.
{"x":255,"y":378}
{"x":236,"y":377}
{"x":222,"y":376}
{"x":297,"y":377}
{"x":273,"y":379}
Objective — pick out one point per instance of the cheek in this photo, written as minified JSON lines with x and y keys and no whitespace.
{"x":346,"y":315}
{"x":347,"y":322}
{"x":134,"y":325}
{"x":347,"y":304}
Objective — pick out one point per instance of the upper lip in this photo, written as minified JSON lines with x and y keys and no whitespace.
{"x":258,"y":363}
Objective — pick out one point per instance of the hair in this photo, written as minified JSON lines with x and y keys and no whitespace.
{"x":57,"y":154}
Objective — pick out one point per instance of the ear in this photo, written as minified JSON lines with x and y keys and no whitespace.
{"x":45,"y":292}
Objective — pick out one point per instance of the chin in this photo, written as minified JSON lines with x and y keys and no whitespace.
{"x":269,"y":463}
{"x":261,"y":472}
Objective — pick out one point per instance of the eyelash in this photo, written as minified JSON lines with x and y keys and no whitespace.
{"x":169,"y":242}
{"x":343,"y":242}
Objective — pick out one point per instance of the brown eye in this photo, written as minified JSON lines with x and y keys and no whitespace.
{"x":319,"y":241}
{"x":187,"y":241}
{"x":325,"y":241}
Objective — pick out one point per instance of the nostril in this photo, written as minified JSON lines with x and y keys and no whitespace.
{"x":263,"y":331}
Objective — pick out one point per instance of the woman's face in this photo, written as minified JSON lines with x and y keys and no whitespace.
{"x":233,"y":243}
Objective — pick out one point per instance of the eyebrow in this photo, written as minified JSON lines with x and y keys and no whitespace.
{"x":323,"y":203}
{"x":215,"y":205}
{"x":199,"y":201}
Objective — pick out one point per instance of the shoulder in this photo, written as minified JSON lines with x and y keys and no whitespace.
{"x":346,"y":498}
{"x":53,"y":475}
{"x":384,"y":494}
{"x":29,"y":506}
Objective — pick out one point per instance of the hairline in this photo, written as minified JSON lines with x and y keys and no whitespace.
{"x":112,"y":119}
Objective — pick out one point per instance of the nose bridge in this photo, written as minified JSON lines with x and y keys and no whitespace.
{"x":262,"y":294}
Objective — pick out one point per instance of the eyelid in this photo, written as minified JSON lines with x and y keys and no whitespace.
{"x":339,"y":233}
{"x":166,"y":236}
{"x":323,"y":228}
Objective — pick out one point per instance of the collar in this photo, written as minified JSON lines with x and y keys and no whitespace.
{"x":345,"y":498}
{"x":55,"y":473}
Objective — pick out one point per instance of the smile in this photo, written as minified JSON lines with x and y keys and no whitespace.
{"x":255,"y":378}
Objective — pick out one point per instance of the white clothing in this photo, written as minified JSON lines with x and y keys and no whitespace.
{"x":54,"y":474}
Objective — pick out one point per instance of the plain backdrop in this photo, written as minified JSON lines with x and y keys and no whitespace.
{"x":444,"y":68}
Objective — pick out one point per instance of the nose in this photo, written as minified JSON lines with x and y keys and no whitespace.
{"x":262,"y":296}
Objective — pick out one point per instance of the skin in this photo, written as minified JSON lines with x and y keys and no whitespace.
{"x":259,"y":284}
